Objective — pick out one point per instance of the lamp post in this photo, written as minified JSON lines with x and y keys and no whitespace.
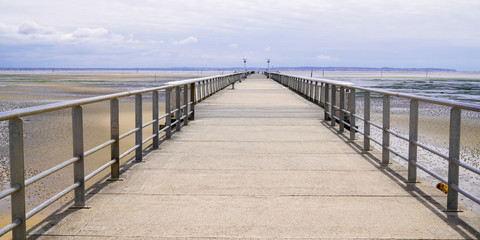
{"x":245,"y":64}
{"x":268,"y":67}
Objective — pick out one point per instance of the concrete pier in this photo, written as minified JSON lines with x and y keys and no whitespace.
{"x":260,"y":162}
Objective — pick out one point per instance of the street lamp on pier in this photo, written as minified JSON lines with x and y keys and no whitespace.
{"x":245,"y":64}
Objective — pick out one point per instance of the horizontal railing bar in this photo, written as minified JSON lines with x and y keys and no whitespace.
{"x":98,"y":148}
{"x":148,"y":123}
{"x":163,"y":116}
{"x":358,"y":117}
{"x":128,"y":133}
{"x":10,"y":226}
{"x":444,"y":102}
{"x":183,"y":106}
{"x":466,"y":194}
{"x":52,"y":200}
{"x":174,"y":111}
{"x":149,"y":138}
{"x":163,"y":129}
{"x":397,"y":135}
{"x":50,"y":171}
{"x":396,"y":153}
{"x":17,"y":113}
{"x":373,"y":139}
{"x":187,"y":81}
{"x":430,"y":150}
{"x":345,"y":123}
{"x":429,"y":172}
{"x":129,"y":151}
{"x":103,"y":167}
{"x":190,"y":113}
{"x":9,"y":191}
{"x":375,"y":125}
{"x":473,"y":169}
{"x":183,"y":117}
{"x":173,"y":123}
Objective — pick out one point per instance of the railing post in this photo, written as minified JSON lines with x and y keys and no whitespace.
{"x":412,"y":137}
{"x":386,"y":127}
{"x":453,"y":154}
{"x":366,"y":124}
{"x":168,"y":111}
{"x":352,"y":112}
{"x":341,"y":114}
{"x":204,"y":89}
{"x":17,"y":177}
{"x":78,"y":166}
{"x":194,"y":100}
{"x":178,"y":113}
{"x":114,"y":135}
{"x":138,"y":125}
{"x":312,"y":86}
{"x":325,"y":105}
{"x":332,"y":105}
{"x":185,"y":100}
{"x":155,"y":139}
{"x":212,"y":90}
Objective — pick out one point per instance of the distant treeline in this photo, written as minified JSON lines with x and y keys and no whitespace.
{"x":240,"y":69}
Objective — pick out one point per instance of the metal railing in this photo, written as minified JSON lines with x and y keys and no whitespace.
{"x":318,"y":91}
{"x":194,"y":91}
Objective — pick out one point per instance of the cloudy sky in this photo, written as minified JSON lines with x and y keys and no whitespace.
{"x":219,"y":33}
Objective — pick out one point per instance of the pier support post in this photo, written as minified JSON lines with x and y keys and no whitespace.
{"x":453,"y":154}
{"x":325,"y":105}
{"x":386,"y":128}
{"x":185,"y":101}
{"x":352,"y":112}
{"x":193,"y":99}
{"x":178,"y":113}
{"x":78,"y":166}
{"x":168,"y":111}
{"x":332,"y":105}
{"x":17,"y":177}
{"x":341,"y":114}
{"x":114,"y":135}
{"x":155,"y":139}
{"x":412,"y":137}
{"x":366,"y":124}
{"x":138,"y":125}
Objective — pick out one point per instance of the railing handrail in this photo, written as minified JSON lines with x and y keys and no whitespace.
{"x":182,"y":113}
{"x":188,"y":81}
{"x":444,"y":102}
{"x":23,"y":112}
{"x":329,"y":90}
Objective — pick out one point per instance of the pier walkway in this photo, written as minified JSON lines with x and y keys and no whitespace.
{"x":260,"y":162}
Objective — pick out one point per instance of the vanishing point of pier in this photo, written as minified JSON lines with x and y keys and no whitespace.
{"x":260,"y":161}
